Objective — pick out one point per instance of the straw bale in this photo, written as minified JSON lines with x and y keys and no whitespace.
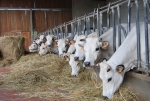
{"x":11,"y":49}
{"x":49,"y":77}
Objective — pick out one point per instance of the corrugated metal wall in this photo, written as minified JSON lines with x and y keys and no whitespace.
{"x":11,"y":21}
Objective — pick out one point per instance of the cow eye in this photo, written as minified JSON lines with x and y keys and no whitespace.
{"x":109,"y":79}
{"x":43,"y":48}
{"x":65,"y":45}
{"x":97,"y":49}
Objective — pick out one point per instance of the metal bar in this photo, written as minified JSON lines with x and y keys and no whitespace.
{"x":66,"y":30}
{"x":146,"y":34}
{"x":31,"y":26}
{"x":88,"y":25}
{"x":84,"y":28}
{"x":119,"y":29}
{"x":138,"y":35}
{"x":101,"y":24}
{"x":98,"y":23}
{"x":75,"y":29}
{"x":123,"y":29}
{"x":94,"y":20}
{"x":108,"y":21}
{"x":61,"y":31}
{"x":129,"y":17}
{"x":79,"y":27}
{"x":34,"y":9}
{"x":114,"y":30}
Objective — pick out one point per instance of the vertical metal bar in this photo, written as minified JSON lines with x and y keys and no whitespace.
{"x":72,"y":29}
{"x":119,"y":29}
{"x":31,"y":26}
{"x":98,"y":23}
{"x":75,"y":24}
{"x":79,"y":27}
{"x":57,"y":33}
{"x":84,"y":28}
{"x":108,"y":21}
{"x":101,"y":24}
{"x":108,"y":16}
{"x":94,"y":20}
{"x":88,"y":25}
{"x":62,"y":36}
{"x":129,"y":17}
{"x":138,"y":35}
{"x":66,"y":30}
{"x":114,"y":30}
{"x":146,"y":34}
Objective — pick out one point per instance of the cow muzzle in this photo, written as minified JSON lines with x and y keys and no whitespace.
{"x":76,"y":58}
{"x":87,"y":64}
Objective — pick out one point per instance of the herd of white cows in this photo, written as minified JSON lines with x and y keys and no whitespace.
{"x":93,"y":50}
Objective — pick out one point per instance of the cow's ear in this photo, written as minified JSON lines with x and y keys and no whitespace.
{"x":105,"y":45}
{"x":72,"y":42}
{"x":55,"y":44}
{"x":120,"y":68}
{"x":104,"y":60}
{"x":66,"y":58}
{"x":82,"y":47}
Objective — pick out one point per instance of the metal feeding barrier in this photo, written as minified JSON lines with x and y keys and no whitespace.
{"x":97,"y":16}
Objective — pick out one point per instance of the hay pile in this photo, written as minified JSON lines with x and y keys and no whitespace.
{"x":49,"y":77}
{"x":11,"y":49}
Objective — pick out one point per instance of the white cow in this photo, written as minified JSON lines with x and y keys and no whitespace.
{"x":74,"y":64}
{"x":98,"y":48}
{"x":44,"y":49}
{"x":33,"y":47}
{"x":50,"y":39}
{"x":80,"y":40}
{"x":40,"y":39}
{"x":62,"y":46}
{"x":112,"y":72}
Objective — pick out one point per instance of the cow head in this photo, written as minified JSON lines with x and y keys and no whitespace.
{"x":111,"y":78}
{"x":79,"y":54}
{"x":44,"y":49}
{"x":71,"y":48}
{"x":33,"y":47}
{"x":40,"y":39}
{"x":93,"y":50}
{"x":74,"y":64}
{"x":50,"y":39}
{"x":62,"y":46}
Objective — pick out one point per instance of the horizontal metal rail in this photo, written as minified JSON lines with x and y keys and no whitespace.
{"x":34,"y":9}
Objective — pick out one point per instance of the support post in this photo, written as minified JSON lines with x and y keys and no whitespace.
{"x":31,"y":26}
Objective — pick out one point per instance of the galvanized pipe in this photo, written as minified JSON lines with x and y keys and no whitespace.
{"x":88,"y":25}
{"x":114,"y":30}
{"x":94,"y":20}
{"x":129,"y":17}
{"x":34,"y":9}
{"x":79,"y":27}
{"x":98,"y":23}
{"x":123,"y":29}
{"x":66,"y":30}
{"x":119,"y":29}
{"x":138,"y":35}
{"x":84,"y":27}
{"x":146,"y":33}
{"x":101,"y":24}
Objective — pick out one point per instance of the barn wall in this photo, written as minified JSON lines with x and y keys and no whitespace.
{"x":19,"y":21}
{"x":80,"y":7}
